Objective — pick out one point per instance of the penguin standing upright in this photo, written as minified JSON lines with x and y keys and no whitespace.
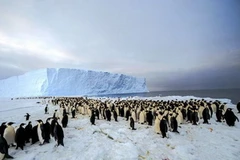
{"x":27,"y":116}
{"x":149,"y":116}
{"x":127,"y":114}
{"x":230,"y":117}
{"x":46,"y":109}
{"x":28,"y":132}
{"x":163,"y":127}
{"x":97,"y":113}
{"x":34,"y":134}
{"x":9,"y":134}
{"x":65,"y":120}
{"x":73,"y":112}
{"x":115,"y":115}
{"x":238,"y":107}
{"x":47,"y":130}
{"x":108,"y":115}
{"x":20,"y":136}
{"x":40,"y":131}
{"x":132,"y":123}
{"x":53,"y":122}
{"x":174,"y":123}
{"x":92,"y":118}
{"x":195,"y":118}
{"x":58,"y":134}
{"x":4,"y":149}
{"x":205,"y":115}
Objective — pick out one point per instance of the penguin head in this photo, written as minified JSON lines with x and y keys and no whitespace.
{"x":39,"y":121}
{"x":22,"y":124}
{"x":10,"y":123}
{"x":4,"y":123}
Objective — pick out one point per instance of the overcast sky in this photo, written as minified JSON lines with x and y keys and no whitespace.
{"x":174,"y":44}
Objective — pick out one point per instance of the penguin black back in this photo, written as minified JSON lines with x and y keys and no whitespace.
{"x":20,"y":136}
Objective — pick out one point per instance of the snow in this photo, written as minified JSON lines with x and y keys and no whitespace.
{"x":70,"y":82}
{"x":115,"y":141}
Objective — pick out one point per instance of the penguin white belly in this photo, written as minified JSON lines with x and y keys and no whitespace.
{"x":200,"y":110}
{"x":214,"y":108}
{"x":1,"y":156}
{"x":179,"y":118}
{"x":134,"y":116}
{"x":39,"y":131}
{"x":9,"y":135}
{"x":141,"y":117}
{"x":157,"y":125}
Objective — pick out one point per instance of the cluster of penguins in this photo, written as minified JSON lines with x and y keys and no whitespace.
{"x":164,"y":115}
{"x":41,"y":132}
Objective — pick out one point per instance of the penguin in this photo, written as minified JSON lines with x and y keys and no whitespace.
{"x":108,"y":115}
{"x":92,"y":118}
{"x":65,"y":120}
{"x":238,"y":107}
{"x":174,"y":123}
{"x":132,"y":123}
{"x":115,"y":115}
{"x":53,"y":122}
{"x":163,"y":127}
{"x":4,"y":149}
{"x":141,"y":117}
{"x":20,"y":136}
{"x":28,"y":132}
{"x":127,"y":114}
{"x":205,"y":115}
{"x":40,"y":131}
{"x":157,"y":124}
{"x":46,"y":109}
{"x":73,"y":112}
{"x":34,"y":134}
{"x":2,"y":128}
{"x":219,"y":114}
{"x":194,"y":116}
{"x":9,"y":134}
{"x":97,"y":113}
{"x":149,"y":118}
{"x":230,"y":117}
{"x":47,"y":130}
{"x":58,"y":134}
{"x":27,"y":116}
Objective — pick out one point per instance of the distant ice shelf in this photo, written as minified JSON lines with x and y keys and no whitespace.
{"x":70,"y":82}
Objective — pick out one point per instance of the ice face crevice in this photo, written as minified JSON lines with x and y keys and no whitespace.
{"x":70,"y":82}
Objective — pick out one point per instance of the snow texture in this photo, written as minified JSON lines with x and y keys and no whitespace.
{"x":85,"y":141}
{"x":70,"y":82}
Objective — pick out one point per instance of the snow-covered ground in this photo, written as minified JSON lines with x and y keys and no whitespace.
{"x":115,"y":141}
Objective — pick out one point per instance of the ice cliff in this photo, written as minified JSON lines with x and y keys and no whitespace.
{"x":69,"y":82}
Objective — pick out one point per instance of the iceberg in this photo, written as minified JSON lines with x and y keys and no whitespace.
{"x":70,"y":82}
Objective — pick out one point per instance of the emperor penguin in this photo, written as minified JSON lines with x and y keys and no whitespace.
{"x":20,"y":136}
{"x":40,"y":131}
{"x":65,"y":120}
{"x":157,"y":124}
{"x":238,"y":107}
{"x":174,"y":123}
{"x":149,"y":116}
{"x":230,"y":117}
{"x":115,"y":115}
{"x":46,"y":109}
{"x":163,"y":127}
{"x":9,"y":134}
{"x":4,"y":149}
{"x":28,"y":132}
{"x":132,"y":123}
{"x":92,"y":118}
{"x":47,"y":130}
{"x":58,"y":134}
{"x":141,"y":117}
{"x":73,"y":110}
{"x":205,"y":115}
{"x":27,"y":116}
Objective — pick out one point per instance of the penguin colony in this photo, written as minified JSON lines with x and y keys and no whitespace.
{"x":27,"y":133}
{"x":164,"y":116}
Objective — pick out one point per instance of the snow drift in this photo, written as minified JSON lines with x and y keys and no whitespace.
{"x":70,"y":82}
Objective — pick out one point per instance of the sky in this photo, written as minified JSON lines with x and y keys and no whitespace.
{"x":175,"y":45}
